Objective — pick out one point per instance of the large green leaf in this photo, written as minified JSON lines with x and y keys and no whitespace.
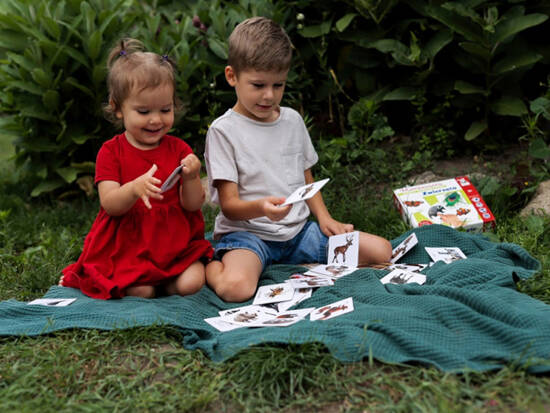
{"x":441,"y":39}
{"x":94,"y":44}
{"x":14,"y":41}
{"x":475,"y":129}
{"x":509,"y":106}
{"x":511,"y":26}
{"x":73,"y":82}
{"x":89,"y":17}
{"x":51,"y":27}
{"x":512,"y":62}
{"x":345,"y":21}
{"x":51,"y":100}
{"x":41,"y":77}
{"x":218,"y":47}
{"x":456,"y":23}
{"x":26,"y":86}
{"x":316,"y":30}
{"x":467,"y":88}
{"x":47,"y":186}
{"x":476,"y":49}
{"x":402,"y":93}
{"x":539,"y":149}
{"x":69,"y":174}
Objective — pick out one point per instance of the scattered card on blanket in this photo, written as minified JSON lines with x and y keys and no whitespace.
{"x":300,"y":295}
{"x":273,"y":293}
{"x":220,"y":324}
{"x":309,"y":281}
{"x":53,"y":302}
{"x":332,"y":310}
{"x":407,"y":267}
{"x":171,"y":180}
{"x":331,"y":270}
{"x":305,"y":192}
{"x":224,"y":313}
{"x":283,"y":319}
{"x":403,"y":277}
{"x":246,"y":316}
{"x":446,"y":254}
{"x":404,"y":247}
{"x":344,"y":249}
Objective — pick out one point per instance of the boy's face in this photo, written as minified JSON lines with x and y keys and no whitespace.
{"x":258,"y":93}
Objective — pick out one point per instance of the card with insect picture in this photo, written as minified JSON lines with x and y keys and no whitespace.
{"x":284,"y":319}
{"x":171,"y":180}
{"x":403,"y":277}
{"x":53,"y":302}
{"x":273,"y":293}
{"x":332,"y":310}
{"x":331,"y":270}
{"x":219,"y":324}
{"x":309,"y":281}
{"x":305,"y":192}
{"x":404,"y":247}
{"x":300,"y":295}
{"x":446,"y":254}
{"x":248,"y":315}
{"x":344,"y":249}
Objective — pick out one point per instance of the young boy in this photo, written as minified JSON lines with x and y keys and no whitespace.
{"x":256,"y":154}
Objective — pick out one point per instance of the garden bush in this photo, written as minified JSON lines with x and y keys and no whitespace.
{"x":450,"y":75}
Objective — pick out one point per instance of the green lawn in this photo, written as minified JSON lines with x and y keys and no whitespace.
{"x":147,"y":369}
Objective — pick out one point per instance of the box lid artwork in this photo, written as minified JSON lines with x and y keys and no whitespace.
{"x":452,"y":202}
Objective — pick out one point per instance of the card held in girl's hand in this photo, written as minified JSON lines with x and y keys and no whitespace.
{"x":273,"y":293}
{"x":305,"y":192}
{"x":404,"y":247}
{"x":344,"y":249}
{"x":171,"y":180}
{"x":332,"y":310}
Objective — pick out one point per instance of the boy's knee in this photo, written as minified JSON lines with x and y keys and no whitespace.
{"x":236,"y":289}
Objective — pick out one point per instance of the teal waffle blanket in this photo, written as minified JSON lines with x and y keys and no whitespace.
{"x":467,"y":316}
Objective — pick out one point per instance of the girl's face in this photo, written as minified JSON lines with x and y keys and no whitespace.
{"x":148,"y":115}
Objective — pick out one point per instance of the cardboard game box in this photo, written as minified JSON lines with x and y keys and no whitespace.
{"x":452,"y":202}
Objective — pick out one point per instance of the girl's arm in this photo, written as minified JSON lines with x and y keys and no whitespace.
{"x":191,"y":191}
{"x":329,"y":226}
{"x":116,"y":200}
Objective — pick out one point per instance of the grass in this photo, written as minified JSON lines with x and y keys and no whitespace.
{"x":147,"y":369}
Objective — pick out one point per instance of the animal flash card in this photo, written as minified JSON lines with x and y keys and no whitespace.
{"x":404,"y":247}
{"x":53,"y":302}
{"x":305,"y":192}
{"x":171,"y":180}
{"x":331,"y":270}
{"x":219,"y":324}
{"x":446,"y":254}
{"x":273,"y":293}
{"x":403,"y":277}
{"x":300,"y":295}
{"x":309,"y":281}
{"x":407,"y":267}
{"x":344,"y":249}
{"x":283,"y":319}
{"x":249,"y":315}
{"x":332,"y":310}
{"x":225,"y":313}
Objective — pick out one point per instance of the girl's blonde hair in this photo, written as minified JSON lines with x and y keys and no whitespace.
{"x":130,"y":67}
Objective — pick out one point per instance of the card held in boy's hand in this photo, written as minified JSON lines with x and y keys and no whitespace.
{"x":305,"y":192}
{"x":171,"y":180}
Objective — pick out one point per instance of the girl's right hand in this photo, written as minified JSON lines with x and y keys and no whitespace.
{"x":145,"y":186}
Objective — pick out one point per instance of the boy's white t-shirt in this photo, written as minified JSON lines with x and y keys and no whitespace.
{"x":263,"y":159}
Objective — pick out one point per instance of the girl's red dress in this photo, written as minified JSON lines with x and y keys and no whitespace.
{"x":143,"y":246}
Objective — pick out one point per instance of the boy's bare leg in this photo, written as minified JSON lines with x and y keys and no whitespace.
{"x":235,"y":278}
{"x":373,"y":249}
{"x":143,"y":291}
{"x":188,"y":282}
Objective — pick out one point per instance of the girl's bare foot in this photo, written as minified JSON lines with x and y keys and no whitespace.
{"x":61,"y":281}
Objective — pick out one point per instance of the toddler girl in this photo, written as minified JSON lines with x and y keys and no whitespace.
{"x":143,"y":240}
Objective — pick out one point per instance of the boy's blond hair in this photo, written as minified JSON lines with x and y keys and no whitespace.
{"x":258,"y":43}
{"x":130,"y":67}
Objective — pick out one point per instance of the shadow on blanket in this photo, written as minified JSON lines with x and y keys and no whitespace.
{"x":467,"y":316}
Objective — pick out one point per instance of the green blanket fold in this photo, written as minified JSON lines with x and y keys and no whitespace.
{"x":467,"y":316}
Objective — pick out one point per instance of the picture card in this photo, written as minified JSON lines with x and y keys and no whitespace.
{"x":249,"y":315}
{"x":224,"y":313}
{"x":332,"y":310}
{"x":300,"y":295}
{"x":219,"y":324}
{"x":53,"y":302}
{"x":446,"y":254}
{"x":273,"y":293}
{"x":309,"y":281}
{"x":331,"y":270}
{"x":404,"y":247}
{"x":283,"y":319}
{"x":305,"y":192}
{"x":407,"y":267}
{"x":171,"y":180}
{"x":344,"y":249}
{"x":403,"y":277}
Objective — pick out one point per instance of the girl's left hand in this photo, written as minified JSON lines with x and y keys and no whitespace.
{"x":191,"y":167}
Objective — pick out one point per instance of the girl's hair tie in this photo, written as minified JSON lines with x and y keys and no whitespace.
{"x":122,"y":53}
{"x":164,"y":57}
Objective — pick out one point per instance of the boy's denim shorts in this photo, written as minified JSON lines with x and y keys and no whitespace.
{"x":309,"y":245}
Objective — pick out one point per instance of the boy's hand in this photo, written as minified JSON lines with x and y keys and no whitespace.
{"x":145,"y":186}
{"x":191,"y":167}
{"x":330,"y":227}
{"x":272,"y":209}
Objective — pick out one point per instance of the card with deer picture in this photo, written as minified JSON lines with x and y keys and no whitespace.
{"x":305,"y":192}
{"x":344,"y":249}
{"x":273,"y":293}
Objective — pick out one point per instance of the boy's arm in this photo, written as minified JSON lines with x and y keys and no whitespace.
{"x":329,"y":226}
{"x":234,"y":208}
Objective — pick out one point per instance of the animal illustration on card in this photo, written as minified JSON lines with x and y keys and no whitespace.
{"x":342,"y":249}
